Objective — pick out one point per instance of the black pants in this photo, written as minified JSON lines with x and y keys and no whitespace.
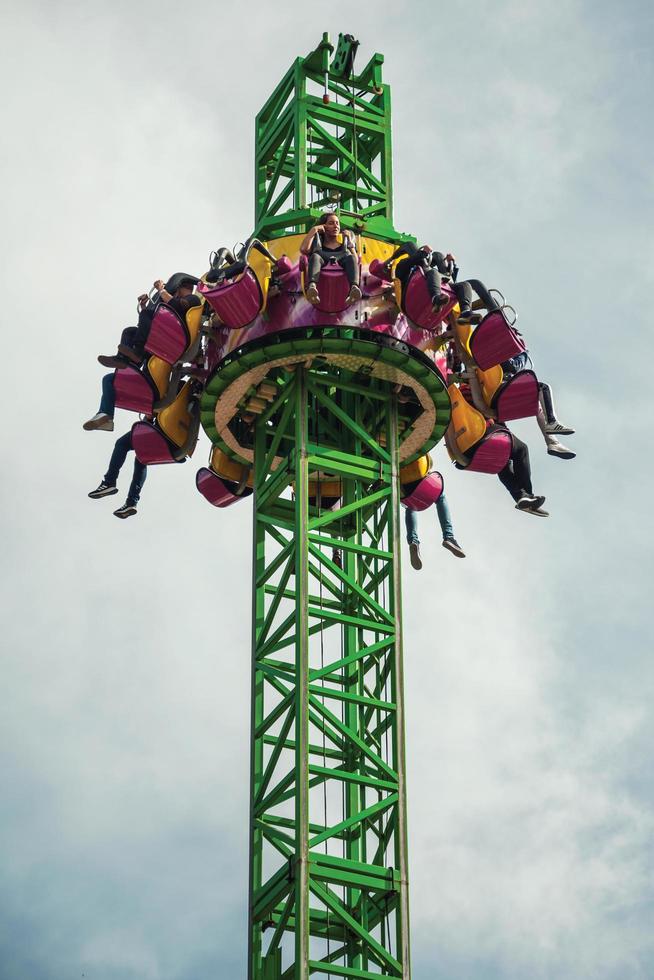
{"x":345,"y":259}
{"x":434,"y":267}
{"x":516,"y":475}
{"x":121,"y":449}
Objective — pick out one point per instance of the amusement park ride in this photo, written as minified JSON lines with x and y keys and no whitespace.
{"x":324,"y":414}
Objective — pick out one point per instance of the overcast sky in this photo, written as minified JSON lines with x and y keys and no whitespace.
{"x":522,"y":142}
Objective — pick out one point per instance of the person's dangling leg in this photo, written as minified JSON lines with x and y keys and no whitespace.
{"x":104,"y":417}
{"x":108,"y":486}
{"x":516,"y":477}
{"x":546,"y":400}
{"x":447,"y":528}
{"x":121,"y":448}
{"x":463,"y":293}
{"x":316,"y":263}
{"x":133,"y":496}
{"x":554,"y":447}
{"x":350,"y":265}
{"x":411,"y":521}
{"x":108,"y":399}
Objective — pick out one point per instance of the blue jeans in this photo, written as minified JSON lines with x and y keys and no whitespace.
{"x":118,"y":457}
{"x":444,"y":519}
{"x":108,"y":400}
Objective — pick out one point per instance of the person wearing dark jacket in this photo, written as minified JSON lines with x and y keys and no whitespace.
{"x":177,"y":293}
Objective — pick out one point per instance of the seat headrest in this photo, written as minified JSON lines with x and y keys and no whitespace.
{"x":180,"y":279}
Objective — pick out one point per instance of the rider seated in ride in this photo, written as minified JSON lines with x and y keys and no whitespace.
{"x":445,"y":521}
{"x":516,"y":475}
{"x":131,"y":349}
{"x":321,"y":245}
{"x":439,"y":268}
{"x":548,"y":423}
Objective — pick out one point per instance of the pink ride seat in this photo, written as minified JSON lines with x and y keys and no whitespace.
{"x":134,"y":391}
{"x":417,"y":302}
{"x":494,"y":341}
{"x":333,"y":287}
{"x":427,"y":492}
{"x":151,"y":446}
{"x":169,"y":336}
{"x":491,"y":453}
{"x":217,"y":491}
{"x":237,"y":302}
{"x":518,"y":397}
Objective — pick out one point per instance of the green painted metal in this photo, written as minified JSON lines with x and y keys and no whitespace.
{"x":323,"y":139}
{"x":328,"y":858}
{"x":326,"y":342}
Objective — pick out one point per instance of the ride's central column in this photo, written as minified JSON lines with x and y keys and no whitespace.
{"x":328,"y":864}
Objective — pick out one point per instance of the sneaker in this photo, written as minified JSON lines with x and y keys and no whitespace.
{"x":558,"y":449}
{"x":414,"y":555}
{"x":537,"y":512}
{"x":529,"y":501}
{"x":104,"y":490}
{"x":312,"y":293}
{"x":438,"y":301}
{"x":127,"y":510}
{"x":354,"y":294}
{"x":467,"y":316}
{"x":130,"y":354}
{"x":113,"y":361}
{"x":557,"y":429}
{"x":99,"y":421}
{"x":454,"y":547}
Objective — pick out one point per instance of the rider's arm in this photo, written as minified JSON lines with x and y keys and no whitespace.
{"x":307,"y":241}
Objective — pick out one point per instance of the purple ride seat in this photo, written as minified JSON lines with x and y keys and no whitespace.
{"x":134,"y":391}
{"x":494,"y":341}
{"x":237,"y":302}
{"x":216,"y":490}
{"x":518,"y":397}
{"x":169,"y":336}
{"x":333,"y":287}
{"x":417,"y":302}
{"x":426,"y":493}
{"x":379,"y":270}
{"x":491,"y":453}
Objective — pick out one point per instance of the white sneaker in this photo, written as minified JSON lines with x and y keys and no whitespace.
{"x":312,"y":293}
{"x":557,"y":448}
{"x":557,"y":429}
{"x":100,"y":421}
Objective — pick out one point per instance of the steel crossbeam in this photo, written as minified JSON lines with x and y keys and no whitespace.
{"x":328,"y":864}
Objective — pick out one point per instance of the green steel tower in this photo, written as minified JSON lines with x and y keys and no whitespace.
{"x":329,"y":886}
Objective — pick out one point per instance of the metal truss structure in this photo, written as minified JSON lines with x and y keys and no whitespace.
{"x":328,"y":868}
{"x":324,"y":138}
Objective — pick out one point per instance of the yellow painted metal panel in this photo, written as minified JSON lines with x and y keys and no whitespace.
{"x":416,"y":470}
{"x":490,"y":381}
{"x":159,"y":371}
{"x":175,"y":420}
{"x":468,"y":425}
{"x":229,"y":469}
